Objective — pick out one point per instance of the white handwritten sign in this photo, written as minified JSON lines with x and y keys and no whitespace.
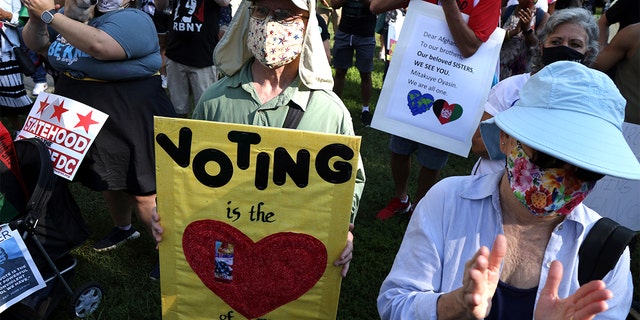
{"x":393,"y":33}
{"x":619,"y":199}
{"x":19,"y":276}
{"x":431,"y":93}
{"x":69,"y":128}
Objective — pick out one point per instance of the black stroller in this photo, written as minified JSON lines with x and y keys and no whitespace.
{"x":51,"y":226}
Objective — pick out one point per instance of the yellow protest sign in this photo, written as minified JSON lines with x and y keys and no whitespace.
{"x":254,"y":218}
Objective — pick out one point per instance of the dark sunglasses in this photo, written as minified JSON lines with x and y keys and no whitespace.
{"x":544,"y":161}
{"x":281,"y":16}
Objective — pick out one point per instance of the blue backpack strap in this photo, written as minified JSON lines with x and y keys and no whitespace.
{"x":539,"y":17}
{"x":508,"y":11}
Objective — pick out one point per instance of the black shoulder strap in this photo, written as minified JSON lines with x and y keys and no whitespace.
{"x":294,"y":115}
{"x":601,"y":249}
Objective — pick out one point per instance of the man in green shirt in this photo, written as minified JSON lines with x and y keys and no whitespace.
{"x":267,"y":76}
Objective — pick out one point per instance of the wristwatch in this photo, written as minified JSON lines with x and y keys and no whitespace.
{"x":47,"y":16}
{"x":528,"y":31}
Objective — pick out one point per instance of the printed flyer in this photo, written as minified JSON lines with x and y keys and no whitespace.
{"x":67,"y":126}
{"x":395,"y":26}
{"x":253,"y":219}
{"x":431,"y":93}
{"x":19,"y":276}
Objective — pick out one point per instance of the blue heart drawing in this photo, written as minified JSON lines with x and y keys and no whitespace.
{"x":419,"y":103}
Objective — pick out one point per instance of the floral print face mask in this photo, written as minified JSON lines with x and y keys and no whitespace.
{"x":275,"y":44}
{"x":545,"y":192}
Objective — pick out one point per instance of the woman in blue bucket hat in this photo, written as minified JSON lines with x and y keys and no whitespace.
{"x":505,"y":245}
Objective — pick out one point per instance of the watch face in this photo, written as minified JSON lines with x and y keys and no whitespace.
{"x":47,"y":17}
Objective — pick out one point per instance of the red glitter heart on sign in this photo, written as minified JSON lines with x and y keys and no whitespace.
{"x":266,"y":274}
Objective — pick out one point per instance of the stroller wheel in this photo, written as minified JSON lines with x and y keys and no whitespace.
{"x":86,"y":300}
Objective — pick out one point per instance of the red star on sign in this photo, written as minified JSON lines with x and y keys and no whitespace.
{"x":58,"y":110}
{"x":43,"y":105}
{"x":85,"y":121}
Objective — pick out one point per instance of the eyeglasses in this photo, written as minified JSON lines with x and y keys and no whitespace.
{"x":545,"y":161}
{"x":282,"y":16}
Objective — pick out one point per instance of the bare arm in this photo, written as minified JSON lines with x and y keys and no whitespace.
{"x":603,"y":25}
{"x":464,"y":37}
{"x":379,"y":6}
{"x":36,"y":36}
{"x":88,"y":39}
{"x":552,"y":8}
{"x":622,"y":46}
{"x":5,"y":15}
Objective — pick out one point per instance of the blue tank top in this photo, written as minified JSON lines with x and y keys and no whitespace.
{"x":512,"y":303}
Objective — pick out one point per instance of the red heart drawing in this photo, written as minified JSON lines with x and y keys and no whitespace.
{"x":446,"y":112}
{"x":266,"y":274}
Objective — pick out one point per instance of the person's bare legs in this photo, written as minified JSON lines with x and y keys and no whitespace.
{"x":335,"y":18}
{"x":426,"y":179}
{"x":338,"y":81}
{"x":119,"y":204}
{"x":366,"y":87}
{"x":400,"y":169}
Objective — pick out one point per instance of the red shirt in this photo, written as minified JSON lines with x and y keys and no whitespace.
{"x":484,"y":17}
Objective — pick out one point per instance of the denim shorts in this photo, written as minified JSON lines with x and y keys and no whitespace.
{"x":428,"y":157}
{"x":344,"y":44}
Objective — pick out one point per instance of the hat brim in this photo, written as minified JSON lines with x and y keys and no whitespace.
{"x":582,"y":140}
{"x":491,"y":138}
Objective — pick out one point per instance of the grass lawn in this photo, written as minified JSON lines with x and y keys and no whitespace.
{"x":123,"y":273}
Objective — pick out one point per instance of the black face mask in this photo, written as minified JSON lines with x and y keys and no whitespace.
{"x":561,"y":53}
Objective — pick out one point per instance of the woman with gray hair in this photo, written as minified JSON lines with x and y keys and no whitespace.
{"x":581,"y":19}
{"x":570,"y":35}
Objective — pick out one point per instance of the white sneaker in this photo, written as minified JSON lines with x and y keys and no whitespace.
{"x":39,"y":87}
{"x":164,"y":81}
